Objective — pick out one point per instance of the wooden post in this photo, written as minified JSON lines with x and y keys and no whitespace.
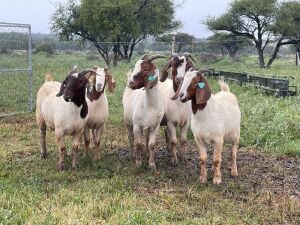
{"x":173,"y":45}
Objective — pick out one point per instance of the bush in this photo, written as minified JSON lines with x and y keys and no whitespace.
{"x":5,"y":51}
{"x":208,"y":58}
{"x":92,"y":55}
{"x":44,"y":47}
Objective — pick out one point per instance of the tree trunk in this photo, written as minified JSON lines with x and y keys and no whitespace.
{"x":131,"y":51}
{"x":298,"y":56}
{"x":274,"y":55}
{"x":180,"y":45}
{"x":116,"y":54}
{"x":104,"y":55}
{"x":260,"y":52}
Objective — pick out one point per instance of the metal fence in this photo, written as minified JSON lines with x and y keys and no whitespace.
{"x":15,"y":69}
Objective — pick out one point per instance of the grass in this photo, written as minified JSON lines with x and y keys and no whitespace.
{"x":113,"y":191}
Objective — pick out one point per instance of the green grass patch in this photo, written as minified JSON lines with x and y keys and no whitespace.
{"x":114,"y":191}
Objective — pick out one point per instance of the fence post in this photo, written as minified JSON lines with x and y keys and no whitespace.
{"x":173,"y":45}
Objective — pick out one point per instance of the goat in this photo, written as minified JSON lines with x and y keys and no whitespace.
{"x":143,"y":107}
{"x":176,"y":112}
{"x":98,"y":108}
{"x":62,"y":107}
{"x":215,"y":118}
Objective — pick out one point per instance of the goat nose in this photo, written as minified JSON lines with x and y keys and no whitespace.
{"x":130,"y":82}
{"x":181,"y":95}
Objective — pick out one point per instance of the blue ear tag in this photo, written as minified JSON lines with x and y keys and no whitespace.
{"x":151,"y":78}
{"x":201,"y":85}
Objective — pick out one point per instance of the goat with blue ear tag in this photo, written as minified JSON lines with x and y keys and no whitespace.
{"x":215,"y":119}
{"x":143,"y":108}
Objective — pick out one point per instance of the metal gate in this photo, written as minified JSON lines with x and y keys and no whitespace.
{"x":15,"y":69}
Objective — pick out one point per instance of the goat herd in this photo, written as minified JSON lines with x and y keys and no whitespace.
{"x":79,"y":104}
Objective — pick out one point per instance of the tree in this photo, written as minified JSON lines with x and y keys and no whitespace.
{"x":260,"y":21}
{"x":286,"y":27}
{"x":230,"y":42}
{"x":114,"y":25}
{"x":181,"y":39}
{"x":248,"y":18}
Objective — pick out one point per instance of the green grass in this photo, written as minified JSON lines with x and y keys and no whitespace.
{"x":114,"y":191}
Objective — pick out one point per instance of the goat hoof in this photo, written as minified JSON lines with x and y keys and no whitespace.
{"x":152,"y":166}
{"x":203,"y":180}
{"x":174,"y":161}
{"x":75,"y":166}
{"x":234,"y":173}
{"x":61,"y":167}
{"x":217,"y":180}
{"x":96,"y":158}
{"x":138,"y":163}
{"x":44,"y":155}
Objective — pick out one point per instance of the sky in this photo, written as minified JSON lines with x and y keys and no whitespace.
{"x":37,"y":13}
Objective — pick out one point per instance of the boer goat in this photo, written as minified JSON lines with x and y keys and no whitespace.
{"x":98,"y":108}
{"x":215,"y":118}
{"x":143,"y":107}
{"x":176,"y":112}
{"x":62,"y":107}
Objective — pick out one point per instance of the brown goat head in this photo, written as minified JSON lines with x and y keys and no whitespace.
{"x":144,"y":73}
{"x":195,"y":87}
{"x":73,"y":89}
{"x":180,"y":65}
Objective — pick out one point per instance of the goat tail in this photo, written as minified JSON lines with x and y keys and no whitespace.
{"x":223,"y":85}
{"x":48,"y":77}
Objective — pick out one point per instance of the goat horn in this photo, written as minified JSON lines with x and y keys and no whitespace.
{"x":86,"y":71}
{"x":145,"y":56}
{"x":188,"y":55}
{"x":153,"y":57}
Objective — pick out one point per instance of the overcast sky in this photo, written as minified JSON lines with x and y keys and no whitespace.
{"x":38,"y":12}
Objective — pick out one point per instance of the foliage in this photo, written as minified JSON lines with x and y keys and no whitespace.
{"x":261,"y":21}
{"x":230,"y":42}
{"x":44,"y":47}
{"x":114,"y":191}
{"x":114,"y":25}
{"x":181,"y":39}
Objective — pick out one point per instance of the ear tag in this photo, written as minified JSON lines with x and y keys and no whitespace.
{"x":151,"y":78}
{"x":201,"y":85}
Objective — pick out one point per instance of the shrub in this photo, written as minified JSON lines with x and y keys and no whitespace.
{"x":44,"y":47}
{"x":208,"y":58}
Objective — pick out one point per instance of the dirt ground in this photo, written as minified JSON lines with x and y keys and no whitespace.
{"x":258,"y":172}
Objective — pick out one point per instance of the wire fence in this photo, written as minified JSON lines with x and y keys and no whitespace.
{"x":15,"y":69}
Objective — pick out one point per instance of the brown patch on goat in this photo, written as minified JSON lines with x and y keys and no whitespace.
{"x":175,"y":63}
{"x":199,"y":96}
{"x":141,"y":79}
{"x":73,"y":89}
{"x":92,"y":94}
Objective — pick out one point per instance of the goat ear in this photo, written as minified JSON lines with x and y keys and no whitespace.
{"x":111,"y":83}
{"x":62,"y":89}
{"x":203,"y":91}
{"x":164,"y":73}
{"x":84,"y":110}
